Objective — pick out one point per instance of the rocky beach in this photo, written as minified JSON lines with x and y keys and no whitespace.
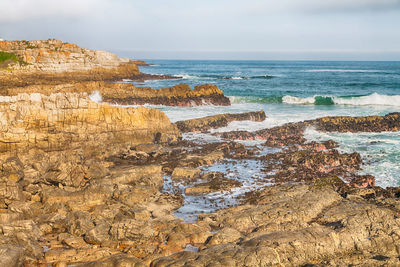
{"x":91,"y":174}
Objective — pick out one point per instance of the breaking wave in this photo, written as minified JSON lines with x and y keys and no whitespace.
{"x":372,"y":99}
{"x":197,"y":77}
{"x":343,"y":70}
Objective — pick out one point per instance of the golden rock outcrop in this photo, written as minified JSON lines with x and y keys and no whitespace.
{"x":66,"y":120}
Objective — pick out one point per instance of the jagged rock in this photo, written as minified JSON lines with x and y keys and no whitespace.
{"x":115,"y":261}
{"x":178,"y":95}
{"x":218,"y":121}
{"x":215,"y":185}
{"x":80,"y":223}
{"x":226,"y":235}
{"x":55,"y":55}
{"x":66,"y":120}
{"x":22,"y":232}
{"x":97,"y":234}
{"x":129,"y":229}
{"x":78,"y":200}
{"x":150,"y":175}
{"x":12,"y":256}
{"x":288,"y":134}
{"x":292,"y":133}
{"x":389,"y":122}
{"x":305,"y":224}
{"x":123,"y":93}
{"x":184,"y":173}
{"x":197,"y":160}
{"x":76,"y":255}
{"x":135,"y":195}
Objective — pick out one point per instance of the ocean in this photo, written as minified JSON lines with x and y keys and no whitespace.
{"x":290,"y":91}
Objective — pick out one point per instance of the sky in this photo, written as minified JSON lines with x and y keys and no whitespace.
{"x":213,"y":29}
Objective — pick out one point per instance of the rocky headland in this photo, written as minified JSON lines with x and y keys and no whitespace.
{"x":92,"y":184}
{"x":54,"y":66}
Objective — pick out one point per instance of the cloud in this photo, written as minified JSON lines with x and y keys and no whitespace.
{"x":320,"y":6}
{"x":21,"y":10}
{"x":208,"y":25}
{"x":352,"y":5}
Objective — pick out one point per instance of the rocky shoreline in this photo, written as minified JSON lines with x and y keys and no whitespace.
{"x":92,"y":184}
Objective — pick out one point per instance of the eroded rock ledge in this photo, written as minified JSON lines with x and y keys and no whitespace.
{"x":218,"y":121}
{"x":104,"y":203}
{"x":292,"y":133}
{"x":54,"y":62}
{"x":53,"y":66}
{"x":58,"y":56}
{"x":178,"y":95}
{"x":68,"y":120}
{"x":84,"y":184}
{"x":127,"y":94}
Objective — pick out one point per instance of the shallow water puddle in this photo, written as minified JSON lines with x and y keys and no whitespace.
{"x":248,"y":172}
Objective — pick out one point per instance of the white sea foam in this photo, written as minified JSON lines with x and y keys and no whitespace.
{"x":378,"y":151}
{"x":342,"y":70}
{"x":373,"y":99}
{"x":236,"y":78}
{"x":96,"y":97}
{"x":287,"y":99}
{"x":186,"y":76}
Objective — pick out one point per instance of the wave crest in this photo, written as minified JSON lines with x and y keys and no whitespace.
{"x":374,"y":99}
{"x":196,"y":77}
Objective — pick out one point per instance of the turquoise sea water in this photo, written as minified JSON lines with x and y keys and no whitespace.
{"x":299,"y":90}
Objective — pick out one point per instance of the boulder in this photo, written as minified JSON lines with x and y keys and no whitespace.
{"x":12,"y":255}
{"x":185,"y":173}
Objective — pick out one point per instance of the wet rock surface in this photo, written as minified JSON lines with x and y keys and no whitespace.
{"x":88,"y":184}
{"x":115,"y":204}
{"x":218,"y":121}
{"x":178,"y":95}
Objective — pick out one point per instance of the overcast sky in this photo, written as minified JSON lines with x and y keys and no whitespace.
{"x":214,"y":29}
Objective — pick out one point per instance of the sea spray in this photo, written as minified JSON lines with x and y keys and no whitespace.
{"x":96,"y":97}
{"x":374,"y":99}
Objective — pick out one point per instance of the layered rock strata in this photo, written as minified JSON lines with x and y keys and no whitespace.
{"x":24,"y":81}
{"x":300,"y":225}
{"x":178,"y":95}
{"x":58,"y":56}
{"x":292,"y":133}
{"x":218,"y":121}
{"x":54,"y":62}
{"x":89,"y":184}
{"x":61,"y":120}
{"x":127,"y":94}
{"x":98,"y":205}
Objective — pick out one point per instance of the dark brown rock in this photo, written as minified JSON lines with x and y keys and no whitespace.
{"x":217,"y":121}
{"x":178,"y":95}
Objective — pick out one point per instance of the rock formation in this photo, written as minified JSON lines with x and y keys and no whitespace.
{"x":292,"y":133}
{"x":59,"y":120}
{"x":57,"y":56}
{"x":218,"y":121}
{"x":90,"y":184}
{"x":54,"y":66}
{"x":299,"y":225}
{"x":54,"y":62}
{"x":127,"y":94}
{"x":178,"y":95}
